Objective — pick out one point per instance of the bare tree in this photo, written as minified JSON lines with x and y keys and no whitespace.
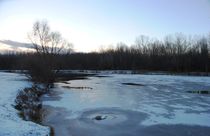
{"x":203,"y":43}
{"x":47,"y":42}
{"x":47,"y":45}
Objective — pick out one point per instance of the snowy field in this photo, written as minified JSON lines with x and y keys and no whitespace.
{"x":148,"y":105}
{"x":10,"y":123}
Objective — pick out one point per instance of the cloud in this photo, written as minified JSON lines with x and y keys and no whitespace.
{"x":15,"y":45}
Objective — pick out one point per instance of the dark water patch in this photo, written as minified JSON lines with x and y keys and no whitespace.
{"x":100,"y":117}
{"x":73,"y":87}
{"x":133,"y":84}
{"x":63,"y":76}
{"x":199,"y":92}
{"x":65,"y":82}
{"x":102,"y":76}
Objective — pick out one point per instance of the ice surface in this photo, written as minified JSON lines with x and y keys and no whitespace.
{"x":10,"y":123}
{"x":163,"y":98}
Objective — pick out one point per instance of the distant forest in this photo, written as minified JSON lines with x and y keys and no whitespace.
{"x":176,"y":53}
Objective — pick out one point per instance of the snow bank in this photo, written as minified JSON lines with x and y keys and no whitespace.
{"x":10,"y":123}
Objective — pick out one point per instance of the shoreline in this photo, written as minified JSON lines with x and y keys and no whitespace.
{"x":11,"y":84}
{"x":72,"y":74}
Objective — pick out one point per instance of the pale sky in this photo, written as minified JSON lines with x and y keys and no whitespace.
{"x":88,"y":24}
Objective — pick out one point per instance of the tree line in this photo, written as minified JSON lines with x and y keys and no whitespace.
{"x":176,"y":53}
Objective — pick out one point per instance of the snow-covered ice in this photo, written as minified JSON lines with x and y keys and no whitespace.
{"x":10,"y":122}
{"x":162,"y":101}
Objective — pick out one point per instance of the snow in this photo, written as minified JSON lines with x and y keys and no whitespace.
{"x":10,"y":122}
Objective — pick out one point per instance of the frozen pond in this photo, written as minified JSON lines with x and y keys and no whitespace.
{"x":129,"y":105}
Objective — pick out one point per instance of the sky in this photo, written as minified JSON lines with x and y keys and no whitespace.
{"x":91,"y":24}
